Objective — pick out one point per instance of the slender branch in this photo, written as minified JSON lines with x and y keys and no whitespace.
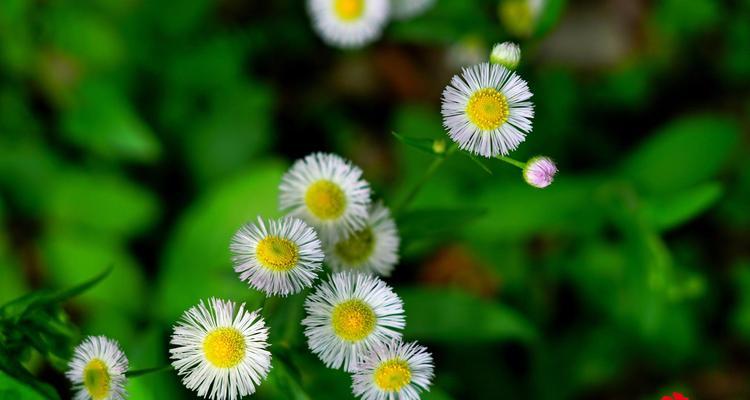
{"x":429,"y":172}
{"x":145,"y":371}
{"x":512,"y":161}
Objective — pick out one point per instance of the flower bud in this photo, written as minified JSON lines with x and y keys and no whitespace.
{"x":539,"y":172}
{"x":507,"y":54}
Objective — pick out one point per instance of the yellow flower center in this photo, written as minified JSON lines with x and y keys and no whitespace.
{"x":325,"y":200}
{"x":392,"y":375}
{"x":277,"y":254}
{"x":488,"y":109}
{"x":96,"y":379}
{"x":224,"y":347}
{"x":357,"y":248}
{"x":353,"y":320}
{"x":349,"y":10}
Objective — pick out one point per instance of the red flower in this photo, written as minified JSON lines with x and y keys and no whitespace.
{"x":675,"y":396}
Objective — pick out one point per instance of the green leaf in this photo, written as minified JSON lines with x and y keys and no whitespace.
{"x":104,"y":122}
{"x":21,"y":385}
{"x":478,"y":163}
{"x":197,"y":262}
{"x":684,"y":153}
{"x":435,"y":222}
{"x":21,"y":307}
{"x":670,"y":211}
{"x":422,"y":144}
{"x":441,"y":315}
{"x":100,"y":202}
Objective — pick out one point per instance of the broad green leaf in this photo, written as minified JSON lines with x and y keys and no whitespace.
{"x":686,"y":152}
{"x":670,"y":211}
{"x":446,"y":315}
{"x":435,"y":222}
{"x":107,"y":204}
{"x":103,"y":121}
{"x":197,"y":262}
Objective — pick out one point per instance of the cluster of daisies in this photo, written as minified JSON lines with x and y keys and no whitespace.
{"x":354,"y":319}
{"x":487,"y":111}
{"x":355,"y":23}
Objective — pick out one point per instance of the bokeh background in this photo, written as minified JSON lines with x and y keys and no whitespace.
{"x":142,"y":134}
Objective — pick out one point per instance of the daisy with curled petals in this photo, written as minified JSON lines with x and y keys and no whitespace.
{"x":373,"y":249}
{"x":278,"y":257}
{"x":97,"y":370}
{"x":328,"y":193}
{"x":349,"y":23}
{"x":393,"y":371}
{"x":404,"y":9}
{"x":486,"y":110}
{"x":219,"y":350}
{"x":349,"y":314}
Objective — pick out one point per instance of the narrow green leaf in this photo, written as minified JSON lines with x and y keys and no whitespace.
{"x":478,"y":163}
{"x":442,"y":315}
{"x":423,"y":144}
{"x":24,"y":305}
{"x":16,"y":383}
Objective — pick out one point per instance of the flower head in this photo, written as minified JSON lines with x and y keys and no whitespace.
{"x":507,"y":54}
{"x":393,"y":370}
{"x":328,"y":193}
{"x":220,"y":351}
{"x":97,"y":370}
{"x":486,"y":110}
{"x":349,"y":23}
{"x":347,"y":315}
{"x":279,"y":257}
{"x":372,"y":249}
{"x":539,"y":172}
{"x":404,"y":9}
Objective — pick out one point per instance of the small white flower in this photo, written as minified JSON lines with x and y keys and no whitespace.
{"x":349,"y":23}
{"x":393,"y":371}
{"x":404,"y":9}
{"x":373,"y":249}
{"x":507,"y":54}
{"x":278,"y":257}
{"x":328,"y":193}
{"x":221,"y":354}
{"x":97,"y":370}
{"x":486,"y":110}
{"x":347,"y":315}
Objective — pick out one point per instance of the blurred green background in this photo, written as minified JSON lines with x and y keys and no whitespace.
{"x":144,"y":133}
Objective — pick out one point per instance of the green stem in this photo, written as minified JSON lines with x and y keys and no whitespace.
{"x":512,"y":161}
{"x":429,"y":172}
{"x":145,"y":371}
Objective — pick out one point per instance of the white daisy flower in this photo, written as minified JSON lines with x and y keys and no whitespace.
{"x":349,"y":23}
{"x":97,"y":370}
{"x":220,"y":351}
{"x":393,"y":371}
{"x":486,"y":110}
{"x":404,"y":9}
{"x":349,"y":314}
{"x":373,"y":249}
{"x":507,"y":54}
{"x":327,"y":192}
{"x":278,"y":257}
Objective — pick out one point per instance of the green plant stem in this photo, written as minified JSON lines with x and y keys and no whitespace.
{"x":512,"y":161}
{"x":429,"y":172}
{"x":146,"y":371}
